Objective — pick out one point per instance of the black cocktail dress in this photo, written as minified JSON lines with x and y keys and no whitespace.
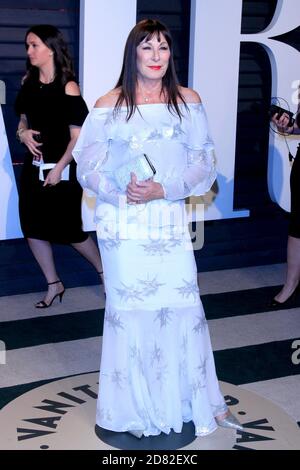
{"x":51,"y":213}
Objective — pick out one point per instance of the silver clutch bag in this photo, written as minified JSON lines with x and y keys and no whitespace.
{"x":141,"y":166}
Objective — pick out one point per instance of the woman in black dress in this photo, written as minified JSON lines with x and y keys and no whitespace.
{"x":291,"y":287}
{"x":51,"y":112}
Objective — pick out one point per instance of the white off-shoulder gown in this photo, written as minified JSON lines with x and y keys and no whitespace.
{"x":157,"y":367}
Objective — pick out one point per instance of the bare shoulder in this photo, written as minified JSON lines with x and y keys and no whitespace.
{"x":109,"y":100}
{"x":72,"y":89}
{"x":190,"y":95}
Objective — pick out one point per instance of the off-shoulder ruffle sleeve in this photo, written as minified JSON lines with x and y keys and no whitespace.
{"x":90,"y":152}
{"x":200,"y":172}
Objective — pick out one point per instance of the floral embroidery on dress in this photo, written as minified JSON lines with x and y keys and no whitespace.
{"x":202,"y":368}
{"x":201,"y":325}
{"x":156,"y":355}
{"x":113,"y":320}
{"x":129,"y":292}
{"x":118,"y":378}
{"x":135,"y":355}
{"x":184,"y":343}
{"x":196,"y":387}
{"x":110,"y":243}
{"x":161,"y":375}
{"x":156,"y":247}
{"x":163,"y":315}
{"x":150,"y":286}
{"x":146,"y":288}
{"x":189,"y":288}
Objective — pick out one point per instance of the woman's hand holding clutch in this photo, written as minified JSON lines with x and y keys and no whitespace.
{"x":140,"y":192}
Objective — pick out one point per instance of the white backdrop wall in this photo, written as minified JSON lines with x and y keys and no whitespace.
{"x":285,"y":64}
{"x":9,"y":215}
{"x":104,"y":27}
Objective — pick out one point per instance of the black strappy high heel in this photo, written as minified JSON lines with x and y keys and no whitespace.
{"x":42,"y":303}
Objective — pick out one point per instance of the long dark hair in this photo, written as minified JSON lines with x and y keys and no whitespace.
{"x":145,"y":29}
{"x":52,"y":38}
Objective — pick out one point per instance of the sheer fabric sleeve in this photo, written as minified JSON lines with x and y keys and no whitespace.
{"x":200,"y":171}
{"x":90,"y":153}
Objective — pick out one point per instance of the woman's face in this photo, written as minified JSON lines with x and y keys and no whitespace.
{"x":38,"y":53}
{"x":153,"y":57}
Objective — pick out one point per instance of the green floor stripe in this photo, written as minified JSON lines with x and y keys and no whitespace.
{"x":51,"y":329}
{"x":257,"y":362}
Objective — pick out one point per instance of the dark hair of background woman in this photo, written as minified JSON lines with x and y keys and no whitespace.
{"x":52,"y":38}
{"x":145,"y":29}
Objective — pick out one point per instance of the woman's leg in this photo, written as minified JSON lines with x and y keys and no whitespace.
{"x":90,"y":251}
{"x":293,"y":270}
{"x":42,"y":251}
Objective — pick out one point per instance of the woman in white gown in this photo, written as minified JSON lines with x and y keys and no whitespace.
{"x":157,"y":367}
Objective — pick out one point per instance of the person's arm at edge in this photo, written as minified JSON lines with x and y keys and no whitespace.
{"x":54,"y":176}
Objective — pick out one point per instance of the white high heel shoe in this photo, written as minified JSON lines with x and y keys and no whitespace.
{"x":230,"y":421}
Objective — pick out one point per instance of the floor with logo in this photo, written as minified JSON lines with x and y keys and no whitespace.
{"x":49,"y":362}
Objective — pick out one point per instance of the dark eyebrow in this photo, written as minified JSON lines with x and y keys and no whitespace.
{"x":149,"y":42}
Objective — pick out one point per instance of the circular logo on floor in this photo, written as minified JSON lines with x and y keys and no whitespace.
{"x":61,"y":415}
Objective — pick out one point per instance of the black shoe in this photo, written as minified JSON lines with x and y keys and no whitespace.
{"x":275,"y":304}
{"x":42,"y":303}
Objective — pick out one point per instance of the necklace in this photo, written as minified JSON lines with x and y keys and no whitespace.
{"x":147,"y":98}
{"x":42,"y":84}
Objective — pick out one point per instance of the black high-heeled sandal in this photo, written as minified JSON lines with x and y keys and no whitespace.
{"x":275,"y":304}
{"x":42,"y":303}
